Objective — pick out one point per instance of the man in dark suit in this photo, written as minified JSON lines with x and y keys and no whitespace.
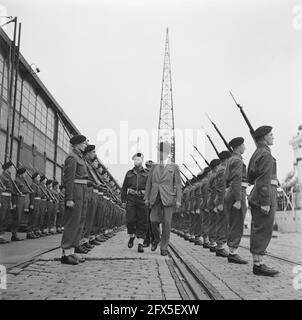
{"x":163,"y":195}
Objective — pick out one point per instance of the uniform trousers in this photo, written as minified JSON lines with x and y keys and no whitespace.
{"x":74,"y":218}
{"x":137,"y":216}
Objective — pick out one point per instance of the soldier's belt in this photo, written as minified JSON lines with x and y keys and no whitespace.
{"x":44,"y":199}
{"x":37,"y":198}
{"x":138,"y":193}
{"x":95,"y":190}
{"x":6,"y":194}
{"x":244,"y":184}
{"x":80,"y":181}
{"x":274,"y":183}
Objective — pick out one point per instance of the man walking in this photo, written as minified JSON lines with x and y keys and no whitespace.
{"x":163,"y":194}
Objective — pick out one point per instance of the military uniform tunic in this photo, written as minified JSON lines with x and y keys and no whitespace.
{"x":262,"y":173}
{"x":75,"y":181}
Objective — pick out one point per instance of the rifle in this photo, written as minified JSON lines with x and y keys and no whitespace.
{"x":244,"y":115}
{"x":185,"y":177}
{"x":39,"y":186}
{"x":28,"y":186}
{"x":196,"y":162}
{"x":212,"y":143}
{"x":220,"y":134}
{"x":13,"y":182}
{"x":189,"y":170}
{"x":205,"y":160}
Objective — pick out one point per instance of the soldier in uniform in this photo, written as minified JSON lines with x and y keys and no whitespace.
{"x":149,"y":236}
{"x":191,"y":236}
{"x":35,"y":199}
{"x":33,"y":230}
{"x":51,"y":208}
{"x":18,"y":211}
{"x":197,"y":222}
{"x":55,"y":194}
{"x":211,"y":205}
{"x":6,"y":198}
{"x":204,"y":194}
{"x":60,"y":216}
{"x":222,"y":224}
{"x":262,"y":173}
{"x":235,"y":198}
{"x":89,"y":241}
{"x":132,"y":197}
{"x":44,"y":206}
{"x":75,"y":177}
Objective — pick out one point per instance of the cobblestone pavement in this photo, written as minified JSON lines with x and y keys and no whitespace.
{"x":112,"y":272}
{"x":286,"y":245}
{"x":237,"y":281}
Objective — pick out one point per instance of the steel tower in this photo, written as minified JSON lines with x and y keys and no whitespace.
{"x":166,"y":115}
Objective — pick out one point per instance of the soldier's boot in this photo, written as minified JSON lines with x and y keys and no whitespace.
{"x":31,"y":235}
{"x":70,"y":259}
{"x":235,"y":258}
{"x":140,"y":248}
{"x":15,"y":237}
{"x":263,"y":270}
{"x":131,"y":242}
{"x":198,"y":241}
{"x":222,"y":253}
{"x":80,"y":249}
{"x":3,"y":241}
{"x":79,"y":258}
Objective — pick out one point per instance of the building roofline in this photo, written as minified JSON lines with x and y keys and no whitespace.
{"x":33,"y":77}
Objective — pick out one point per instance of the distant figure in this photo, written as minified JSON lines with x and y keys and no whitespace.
{"x":163,"y":194}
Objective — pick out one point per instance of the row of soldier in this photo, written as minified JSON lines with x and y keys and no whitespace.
{"x":214,"y":203}
{"x":47,"y":204}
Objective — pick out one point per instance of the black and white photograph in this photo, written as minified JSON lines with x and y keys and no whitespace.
{"x":150,"y":153}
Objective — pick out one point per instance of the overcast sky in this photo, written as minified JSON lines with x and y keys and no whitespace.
{"x":102,"y":61}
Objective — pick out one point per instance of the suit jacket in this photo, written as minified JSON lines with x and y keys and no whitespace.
{"x":167,"y":182}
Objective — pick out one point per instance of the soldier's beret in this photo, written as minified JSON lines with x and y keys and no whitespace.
{"x":138,"y":154}
{"x":43,"y":177}
{"x":7,"y":165}
{"x":77,"y":139}
{"x":214,"y":163}
{"x":61,"y":187}
{"x":223,"y":155}
{"x":149,"y":164}
{"x":199,"y":174}
{"x":21,"y":170}
{"x":34,"y":175}
{"x":55,"y":183}
{"x":89,"y":148}
{"x":49,"y":181}
{"x":206,"y":170}
{"x":236,"y":142}
{"x":262,"y":131}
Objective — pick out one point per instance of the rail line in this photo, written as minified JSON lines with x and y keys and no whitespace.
{"x":193,"y":285}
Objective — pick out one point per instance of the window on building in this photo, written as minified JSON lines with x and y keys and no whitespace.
{"x":50,"y":148}
{"x":50,"y":126}
{"x":28,"y":107}
{"x":41,"y":115}
{"x":49,"y":169}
